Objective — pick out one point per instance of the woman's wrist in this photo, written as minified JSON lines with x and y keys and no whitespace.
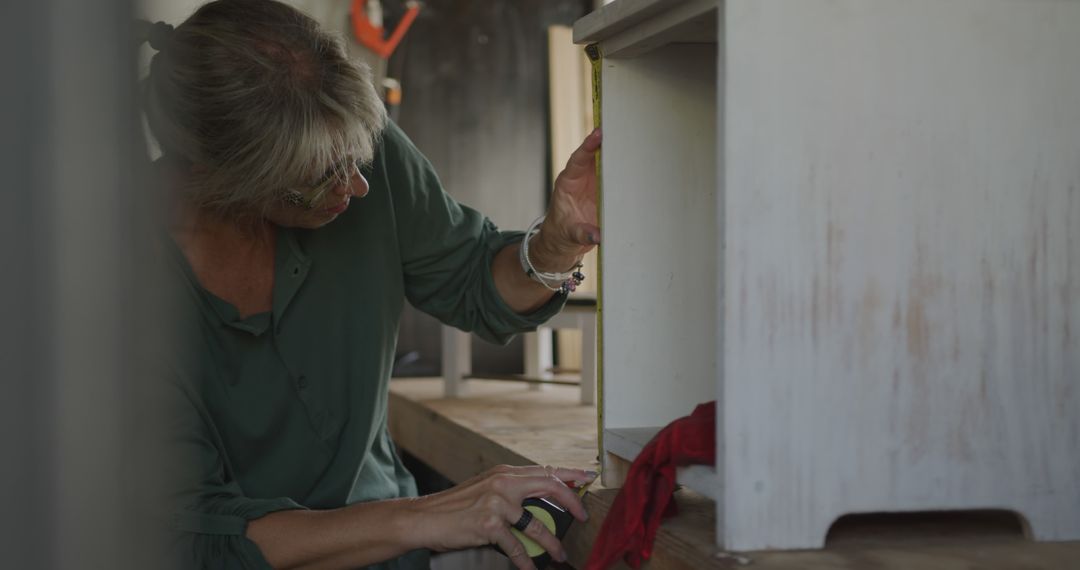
{"x":549,"y":259}
{"x":409,"y":526}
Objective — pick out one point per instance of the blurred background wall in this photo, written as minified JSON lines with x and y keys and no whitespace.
{"x":474,"y":75}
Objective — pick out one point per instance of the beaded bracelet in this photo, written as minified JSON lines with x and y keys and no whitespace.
{"x":566,"y":282}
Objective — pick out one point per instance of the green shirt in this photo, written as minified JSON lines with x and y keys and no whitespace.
{"x":287,"y":409}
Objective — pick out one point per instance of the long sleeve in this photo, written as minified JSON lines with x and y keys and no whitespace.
{"x":447,"y":250}
{"x":210,"y":512}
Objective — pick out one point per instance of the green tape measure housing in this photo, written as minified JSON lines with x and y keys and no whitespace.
{"x":555,"y":518}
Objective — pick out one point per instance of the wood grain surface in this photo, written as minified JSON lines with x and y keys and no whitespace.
{"x":506,"y":423}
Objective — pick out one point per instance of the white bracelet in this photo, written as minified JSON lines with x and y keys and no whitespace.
{"x":563,"y":282}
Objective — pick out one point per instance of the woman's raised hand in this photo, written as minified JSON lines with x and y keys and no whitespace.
{"x":481,"y":510}
{"x":570,"y":229}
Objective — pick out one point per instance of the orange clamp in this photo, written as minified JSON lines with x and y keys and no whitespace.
{"x":371,"y":36}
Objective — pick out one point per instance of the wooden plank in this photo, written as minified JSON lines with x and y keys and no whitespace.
{"x":456,"y":360}
{"x":500,"y":423}
{"x":549,"y":379}
{"x":690,"y":22}
{"x":622,"y":447}
{"x":683,"y":543}
{"x":623,"y":16}
{"x":627,"y":442}
{"x":447,"y":446}
{"x":983,"y":556}
{"x":570,"y":96}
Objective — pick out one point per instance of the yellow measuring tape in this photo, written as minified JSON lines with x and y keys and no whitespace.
{"x":596,"y":58}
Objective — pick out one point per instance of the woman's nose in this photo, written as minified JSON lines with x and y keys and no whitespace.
{"x":357,"y":186}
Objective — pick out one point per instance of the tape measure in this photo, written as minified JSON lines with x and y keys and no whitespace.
{"x":596,"y":58}
{"x":555,"y":518}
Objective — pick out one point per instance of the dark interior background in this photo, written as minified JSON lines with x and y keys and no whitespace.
{"x":474,"y":79}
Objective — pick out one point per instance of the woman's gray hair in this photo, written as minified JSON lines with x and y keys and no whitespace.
{"x":256,"y":99}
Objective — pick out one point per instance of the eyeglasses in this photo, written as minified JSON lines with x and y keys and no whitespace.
{"x":312,"y":196}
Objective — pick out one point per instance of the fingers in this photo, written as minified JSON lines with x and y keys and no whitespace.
{"x":513,"y":549}
{"x":482,"y":510}
{"x":578,"y":477}
{"x":565,"y":474}
{"x":543,"y":536}
{"x":552,"y":488}
{"x":567,"y":499}
{"x":583,"y":158}
{"x":519,"y":483}
{"x":586,"y":234}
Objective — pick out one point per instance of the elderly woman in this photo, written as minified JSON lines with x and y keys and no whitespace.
{"x":302,"y":221}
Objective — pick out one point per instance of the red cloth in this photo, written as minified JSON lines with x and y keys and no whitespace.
{"x":645,"y":498}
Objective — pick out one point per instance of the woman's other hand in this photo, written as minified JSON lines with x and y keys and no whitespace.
{"x":571,"y":227}
{"x":481,"y":511}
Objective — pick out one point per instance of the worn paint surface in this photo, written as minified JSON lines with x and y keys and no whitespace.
{"x":658,"y":216}
{"x":902,"y":232}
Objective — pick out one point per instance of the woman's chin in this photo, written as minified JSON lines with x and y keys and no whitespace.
{"x":315,"y":222}
{"x":303,"y":219}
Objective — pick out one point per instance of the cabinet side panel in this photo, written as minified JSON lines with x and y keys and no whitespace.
{"x":903,"y":263}
{"x":659,"y":232}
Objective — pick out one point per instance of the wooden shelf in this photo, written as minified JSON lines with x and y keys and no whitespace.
{"x":811,"y":217}
{"x":630,"y":28}
{"x":502,"y":423}
{"x":627,"y":443}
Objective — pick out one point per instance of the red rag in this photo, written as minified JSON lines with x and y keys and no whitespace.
{"x":645,"y":498}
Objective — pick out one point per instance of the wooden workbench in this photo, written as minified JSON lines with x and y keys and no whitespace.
{"x":506,"y":423}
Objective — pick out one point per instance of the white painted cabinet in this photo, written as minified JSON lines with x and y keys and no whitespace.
{"x":856,"y":225}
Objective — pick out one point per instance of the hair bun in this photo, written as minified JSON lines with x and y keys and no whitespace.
{"x":159,"y":35}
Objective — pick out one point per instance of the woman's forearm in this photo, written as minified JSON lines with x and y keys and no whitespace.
{"x":475,"y":513}
{"x":348,"y":537}
{"x":519,"y":291}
